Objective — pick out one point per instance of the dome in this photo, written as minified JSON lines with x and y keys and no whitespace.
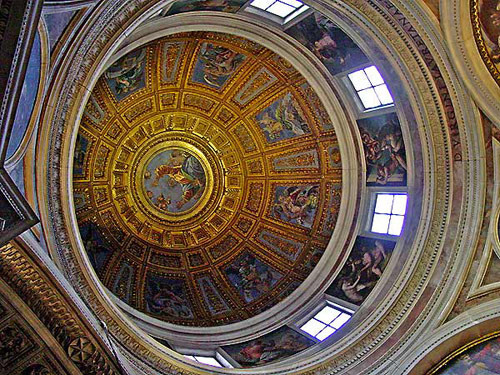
{"x":223,"y":188}
{"x":207,"y":178}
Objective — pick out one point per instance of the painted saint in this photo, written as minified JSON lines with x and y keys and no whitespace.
{"x":174,"y":181}
{"x":384,"y":148}
{"x":127,"y":74}
{"x":282,"y":120}
{"x":216,"y":64}
{"x":296,"y":204}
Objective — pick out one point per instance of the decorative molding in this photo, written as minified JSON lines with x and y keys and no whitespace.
{"x":19,"y":271}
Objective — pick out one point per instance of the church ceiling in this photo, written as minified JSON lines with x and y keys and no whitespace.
{"x":199,"y":171}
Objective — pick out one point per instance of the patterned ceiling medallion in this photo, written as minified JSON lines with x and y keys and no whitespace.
{"x":200,"y":193}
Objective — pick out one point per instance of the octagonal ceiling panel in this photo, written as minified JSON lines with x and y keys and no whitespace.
{"x":206,"y":177}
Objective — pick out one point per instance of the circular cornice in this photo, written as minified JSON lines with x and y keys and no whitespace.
{"x":393,"y":320}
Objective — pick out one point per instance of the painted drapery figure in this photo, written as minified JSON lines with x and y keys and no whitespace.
{"x":296,"y":204}
{"x":127,"y":75}
{"x":178,"y":183}
{"x":216,"y":64}
{"x":363,"y":269}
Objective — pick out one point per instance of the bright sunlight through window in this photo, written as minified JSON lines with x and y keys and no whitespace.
{"x":211,"y":361}
{"x":389,"y":213}
{"x":281,"y":8}
{"x":371,"y":88}
{"x":325,"y":322}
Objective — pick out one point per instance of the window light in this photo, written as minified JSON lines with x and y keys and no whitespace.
{"x":325,"y":322}
{"x":371,"y":88}
{"x":211,"y":361}
{"x":389,"y":213}
{"x":281,"y":8}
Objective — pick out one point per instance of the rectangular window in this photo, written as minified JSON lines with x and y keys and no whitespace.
{"x":288,"y":9}
{"x":211,"y":361}
{"x":327,"y":321}
{"x":371,"y":88}
{"x":389,"y":213}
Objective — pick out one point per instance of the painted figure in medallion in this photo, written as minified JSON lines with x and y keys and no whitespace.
{"x":489,"y":15}
{"x":165,"y":296}
{"x":296,"y":204}
{"x":182,"y":179}
{"x":252,"y":277}
{"x":127,"y":74}
{"x":216,"y":64}
{"x":482,"y":359}
{"x":282,"y":120}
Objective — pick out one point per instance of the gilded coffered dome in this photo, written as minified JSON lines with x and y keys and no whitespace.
{"x":206,"y":178}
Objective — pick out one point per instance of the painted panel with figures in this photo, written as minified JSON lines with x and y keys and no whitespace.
{"x":282,"y":120}
{"x":363,"y":269}
{"x":384,"y":148}
{"x":251,"y":277}
{"x":274,"y":346}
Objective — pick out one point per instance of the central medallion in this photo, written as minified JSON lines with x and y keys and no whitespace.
{"x":174,"y":181}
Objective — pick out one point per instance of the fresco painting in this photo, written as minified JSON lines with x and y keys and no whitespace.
{"x":81,"y":148}
{"x":274,"y":346}
{"x":165,"y":296}
{"x":482,"y":359}
{"x":98,"y":248}
{"x":296,"y":204}
{"x":283,"y":119}
{"x":328,"y":43}
{"x":384,"y":149}
{"x":127,"y":75}
{"x":315,"y":257}
{"x":364,"y":267}
{"x":251,"y":277}
{"x":174,"y":181}
{"x":215,"y":65}
{"x":489,"y":16}
{"x":26,"y":102}
{"x":228,"y":6}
